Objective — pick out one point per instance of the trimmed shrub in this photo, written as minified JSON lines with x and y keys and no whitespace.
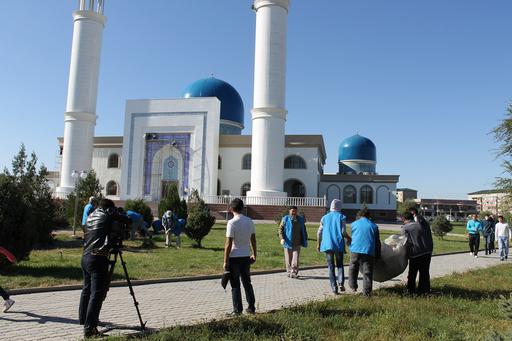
{"x":199,"y":220}
{"x":139,"y":206}
{"x":441,"y":226}
{"x":172,"y":199}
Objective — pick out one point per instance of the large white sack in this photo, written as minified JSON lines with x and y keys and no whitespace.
{"x":393,"y":260}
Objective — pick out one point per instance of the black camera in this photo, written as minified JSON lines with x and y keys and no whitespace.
{"x":119,"y":231}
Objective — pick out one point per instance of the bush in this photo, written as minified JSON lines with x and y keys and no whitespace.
{"x":60,"y":218}
{"x":16,"y":234}
{"x":172,"y":199}
{"x":26,"y":206}
{"x":199,"y":220}
{"x":86,"y":188}
{"x":441,"y":226}
{"x":139,"y":206}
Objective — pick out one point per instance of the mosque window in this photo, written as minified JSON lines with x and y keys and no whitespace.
{"x":294,"y":162}
{"x":366,"y":196}
{"x":113,"y":161}
{"x":245,"y":188}
{"x":349,"y":195}
{"x":111,"y":188}
{"x":295,"y":188}
{"x":219,"y":163}
{"x":246,"y":161}
{"x":218,"y":187}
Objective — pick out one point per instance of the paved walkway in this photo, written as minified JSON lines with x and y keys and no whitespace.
{"x":53,"y":315}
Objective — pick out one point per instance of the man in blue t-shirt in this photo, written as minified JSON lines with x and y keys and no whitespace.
{"x":364,"y":249}
{"x":89,"y":208}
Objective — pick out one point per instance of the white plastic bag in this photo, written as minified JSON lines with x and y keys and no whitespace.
{"x":393,"y":259}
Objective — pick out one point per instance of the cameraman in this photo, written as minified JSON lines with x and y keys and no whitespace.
{"x":97,"y":246}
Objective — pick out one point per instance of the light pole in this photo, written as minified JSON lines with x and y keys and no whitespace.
{"x":75,"y":175}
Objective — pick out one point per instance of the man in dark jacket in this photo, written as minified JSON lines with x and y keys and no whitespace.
{"x":488,"y":226}
{"x":419,"y":252}
{"x":95,"y":263}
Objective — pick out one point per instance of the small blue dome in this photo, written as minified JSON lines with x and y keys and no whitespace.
{"x":357,"y":147}
{"x":231,"y":105}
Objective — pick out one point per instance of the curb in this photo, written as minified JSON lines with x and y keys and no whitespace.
{"x":139,"y":282}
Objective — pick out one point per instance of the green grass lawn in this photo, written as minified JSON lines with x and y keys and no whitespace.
{"x":61,"y":264}
{"x":462,"y":307}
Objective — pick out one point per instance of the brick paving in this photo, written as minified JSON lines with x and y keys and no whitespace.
{"x":53,"y":315}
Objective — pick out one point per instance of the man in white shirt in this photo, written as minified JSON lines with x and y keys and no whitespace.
{"x":240,"y":238}
{"x":502,"y":234}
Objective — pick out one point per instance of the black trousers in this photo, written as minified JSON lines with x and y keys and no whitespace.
{"x":95,"y":270}
{"x":474,"y":243}
{"x":4,"y":294}
{"x":240,"y":268}
{"x":365,"y":262}
{"x":419,"y":264}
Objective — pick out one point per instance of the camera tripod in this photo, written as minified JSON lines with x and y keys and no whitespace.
{"x":117,"y":252}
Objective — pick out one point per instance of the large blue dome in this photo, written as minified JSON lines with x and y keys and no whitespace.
{"x":231,"y":105}
{"x":357,"y":147}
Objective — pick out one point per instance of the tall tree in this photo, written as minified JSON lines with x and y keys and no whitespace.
{"x":503,"y":137}
{"x":85,"y":188}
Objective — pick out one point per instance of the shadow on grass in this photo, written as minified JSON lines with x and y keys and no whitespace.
{"x":68,"y":272}
{"x":451,"y":291}
{"x":63,"y":244}
{"x":325,"y":312}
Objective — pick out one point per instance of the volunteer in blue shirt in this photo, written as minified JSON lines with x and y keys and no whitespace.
{"x":474,"y":226}
{"x":364,"y":248}
{"x":330,"y":239}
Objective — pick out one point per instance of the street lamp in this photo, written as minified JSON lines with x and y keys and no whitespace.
{"x":75,"y":175}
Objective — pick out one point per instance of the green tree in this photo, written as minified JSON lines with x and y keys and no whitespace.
{"x":441,"y":226}
{"x":26,"y":209}
{"x":139,"y":206}
{"x":86,"y":188}
{"x":172,"y":200}
{"x":406,"y":206}
{"x":199,"y":220}
{"x":503,"y":137}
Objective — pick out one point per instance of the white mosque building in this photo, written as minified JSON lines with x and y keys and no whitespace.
{"x":196,"y":140}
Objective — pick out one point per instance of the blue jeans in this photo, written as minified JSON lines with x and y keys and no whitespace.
{"x":240,"y":267}
{"x":335,"y":260}
{"x":489,"y":243}
{"x":503,"y":241}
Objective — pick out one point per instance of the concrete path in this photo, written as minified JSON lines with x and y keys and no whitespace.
{"x":53,"y":315}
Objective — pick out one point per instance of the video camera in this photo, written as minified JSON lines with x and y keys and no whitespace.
{"x":119,"y":231}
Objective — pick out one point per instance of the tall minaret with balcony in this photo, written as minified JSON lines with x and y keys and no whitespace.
{"x":80,"y":115}
{"x":269,"y":113}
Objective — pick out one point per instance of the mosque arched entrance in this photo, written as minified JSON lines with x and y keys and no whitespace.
{"x":295,"y":188}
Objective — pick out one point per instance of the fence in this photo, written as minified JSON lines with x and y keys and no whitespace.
{"x":271,"y":201}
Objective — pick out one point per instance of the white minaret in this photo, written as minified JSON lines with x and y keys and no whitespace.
{"x":80,"y":115}
{"x":269,"y":113}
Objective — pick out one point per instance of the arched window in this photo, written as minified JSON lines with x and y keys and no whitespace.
{"x":219,"y":163}
{"x":111,"y":188}
{"x":294,"y":162}
{"x":295,"y":188}
{"x":349,"y":195}
{"x":366,"y":195}
{"x":245,"y":188}
{"x":246,"y":161}
{"x":113,"y":161}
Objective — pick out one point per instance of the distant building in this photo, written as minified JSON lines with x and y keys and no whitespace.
{"x":403,"y":194}
{"x":488,"y":200}
{"x":457,"y":209}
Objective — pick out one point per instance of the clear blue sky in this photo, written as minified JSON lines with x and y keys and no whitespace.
{"x":425,"y":80}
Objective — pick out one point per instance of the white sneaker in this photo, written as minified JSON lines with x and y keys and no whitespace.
{"x":471,"y":253}
{"x":8,"y":304}
{"x":476,"y":256}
